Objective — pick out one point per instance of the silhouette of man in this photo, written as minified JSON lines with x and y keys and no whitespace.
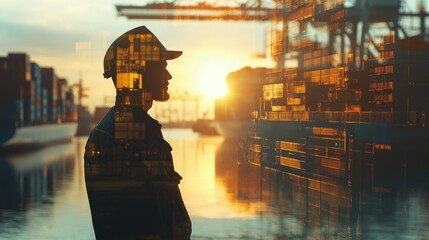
{"x":131,"y":182}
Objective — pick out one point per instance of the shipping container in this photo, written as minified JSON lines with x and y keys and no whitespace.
{"x":19,"y":67}
{"x":36,"y":75}
{"x":3,"y":74}
{"x":18,"y":86}
{"x":49,"y":82}
{"x":28,"y":99}
{"x":28,"y":104}
{"x":45,"y":106}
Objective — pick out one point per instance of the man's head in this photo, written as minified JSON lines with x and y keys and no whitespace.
{"x":137,"y":61}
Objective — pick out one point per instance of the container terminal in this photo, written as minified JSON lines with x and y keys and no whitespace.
{"x":350,"y":82}
{"x":350,"y":91}
{"x":36,"y":106}
{"x":350,"y":86}
{"x":348,"y":95}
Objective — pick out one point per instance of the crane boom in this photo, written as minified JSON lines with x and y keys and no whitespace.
{"x":201,"y":11}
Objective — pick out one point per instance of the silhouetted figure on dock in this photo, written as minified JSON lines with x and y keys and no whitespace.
{"x":130,"y":178}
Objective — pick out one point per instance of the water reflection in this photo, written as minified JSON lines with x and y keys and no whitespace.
{"x":41,"y":194}
{"x":29,"y":179}
{"x":307,"y":208}
{"x":231,"y":199}
{"x":210,"y":187}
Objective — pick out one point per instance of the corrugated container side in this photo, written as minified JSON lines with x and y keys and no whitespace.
{"x":49,"y":82}
{"x":18,"y":87}
{"x":37,"y":78}
{"x":12,"y":79}
{"x":19,"y":68}
{"x":28,"y":99}
{"x":3,"y":69}
{"x":45,"y":106}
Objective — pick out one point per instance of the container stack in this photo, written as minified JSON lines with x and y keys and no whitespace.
{"x":350,"y":89}
{"x":32,"y":95}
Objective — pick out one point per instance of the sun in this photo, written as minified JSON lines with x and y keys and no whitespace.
{"x":212,"y":79}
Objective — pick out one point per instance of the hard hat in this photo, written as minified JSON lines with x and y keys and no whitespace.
{"x":130,"y":51}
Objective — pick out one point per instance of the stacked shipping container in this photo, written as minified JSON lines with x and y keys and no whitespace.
{"x":37,"y":78}
{"x":31,"y":95}
{"x":343,"y":92}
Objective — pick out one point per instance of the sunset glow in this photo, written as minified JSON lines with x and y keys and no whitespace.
{"x":212,"y":79}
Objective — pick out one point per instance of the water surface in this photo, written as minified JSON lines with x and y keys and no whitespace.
{"x":43,"y":196}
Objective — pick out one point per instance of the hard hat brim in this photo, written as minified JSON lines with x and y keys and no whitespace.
{"x":170,"y":55}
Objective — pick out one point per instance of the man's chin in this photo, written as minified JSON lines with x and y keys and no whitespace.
{"x":162,"y":98}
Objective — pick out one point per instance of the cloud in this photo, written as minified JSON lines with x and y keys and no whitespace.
{"x":36,"y":40}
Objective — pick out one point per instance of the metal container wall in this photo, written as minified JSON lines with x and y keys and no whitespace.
{"x":28,"y":99}
{"x":37,"y":78}
{"x":3,"y":69}
{"x":44,"y":105}
{"x":18,"y":86}
{"x":49,"y":82}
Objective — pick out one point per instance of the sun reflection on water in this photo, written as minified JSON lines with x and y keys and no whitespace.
{"x":207,"y":191}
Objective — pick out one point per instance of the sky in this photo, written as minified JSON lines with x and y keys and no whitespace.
{"x":73,"y":36}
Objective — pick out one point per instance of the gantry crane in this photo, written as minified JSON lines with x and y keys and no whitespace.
{"x":295,"y":40}
{"x":255,"y":10}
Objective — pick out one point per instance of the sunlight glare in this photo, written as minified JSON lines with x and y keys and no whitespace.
{"x":212,"y":79}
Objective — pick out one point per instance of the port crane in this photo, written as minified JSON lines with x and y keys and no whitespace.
{"x":81,"y":90}
{"x":333,"y":61}
{"x":271,"y":11}
{"x":252,"y":10}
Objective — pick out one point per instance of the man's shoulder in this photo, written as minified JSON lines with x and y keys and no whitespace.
{"x":107,"y":123}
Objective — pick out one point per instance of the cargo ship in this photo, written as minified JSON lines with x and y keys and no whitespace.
{"x":36,"y":106}
{"x":349,"y":92}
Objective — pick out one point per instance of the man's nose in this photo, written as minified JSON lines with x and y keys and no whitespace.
{"x":167,"y":75}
